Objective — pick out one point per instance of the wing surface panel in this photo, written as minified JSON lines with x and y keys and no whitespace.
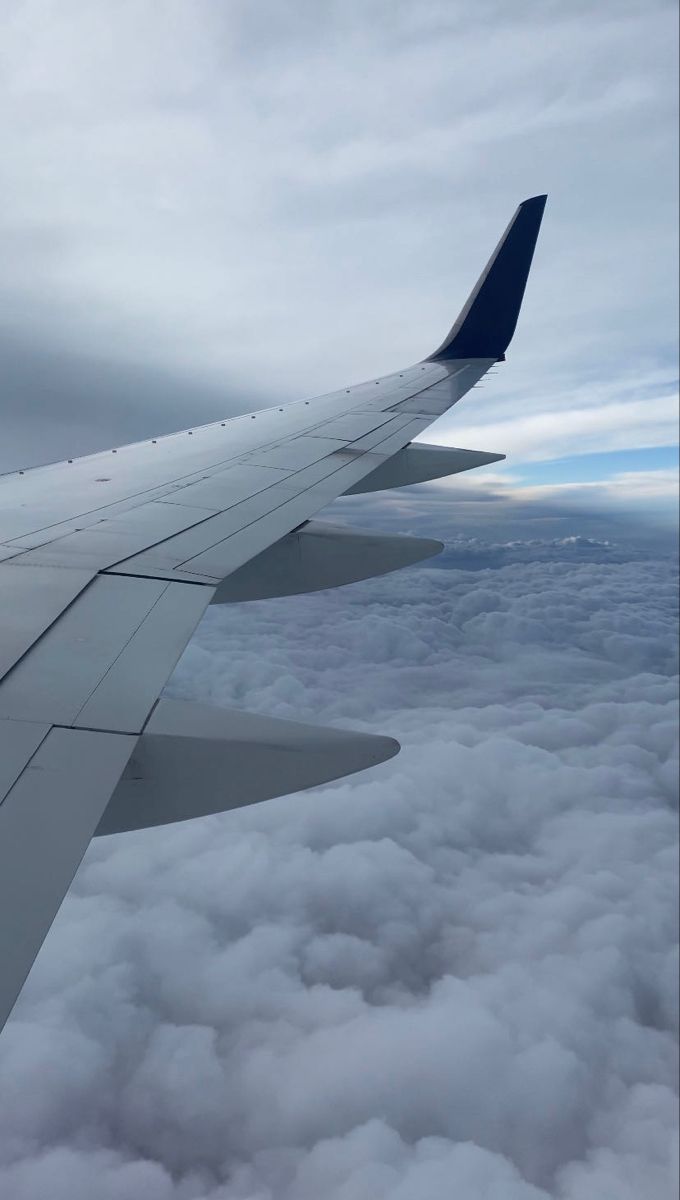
{"x":352,"y":426}
{"x":31,"y":601}
{"x":19,"y":741}
{"x":46,"y":822}
{"x":212,"y":550}
{"x":103,"y":663}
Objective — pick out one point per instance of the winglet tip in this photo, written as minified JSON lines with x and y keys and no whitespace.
{"x":486,"y":324}
{"x":538,"y":202}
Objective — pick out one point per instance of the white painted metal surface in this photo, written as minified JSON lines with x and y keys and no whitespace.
{"x":31,"y":600}
{"x":19,"y":741}
{"x":102,"y":665}
{"x":352,"y":426}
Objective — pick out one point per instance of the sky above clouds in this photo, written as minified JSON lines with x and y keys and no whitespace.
{"x":210,"y":207}
{"x":455,"y":974}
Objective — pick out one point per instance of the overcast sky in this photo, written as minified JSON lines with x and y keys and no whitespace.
{"x":207,"y":207}
{"x":455,"y":974}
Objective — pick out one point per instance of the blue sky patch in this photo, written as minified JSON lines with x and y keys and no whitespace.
{"x":590,"y":468}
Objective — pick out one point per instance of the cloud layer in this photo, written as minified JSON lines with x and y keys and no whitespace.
{"x":455,"y":974}
{"x":281,"y":198}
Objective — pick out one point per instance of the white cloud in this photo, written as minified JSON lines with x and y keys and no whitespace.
{"x":287,"y":193}
{"x":627,"y":490}
{"x":456,"y":972}
{"x":564,"y":429}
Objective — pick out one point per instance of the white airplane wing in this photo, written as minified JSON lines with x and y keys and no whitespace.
{"x":108,"y":562}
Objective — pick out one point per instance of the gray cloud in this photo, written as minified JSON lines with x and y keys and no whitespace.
{"x":454,"y":974}
{"x":291,"y":197}
{"x":486,"y":521}
{"x":58,"y":403}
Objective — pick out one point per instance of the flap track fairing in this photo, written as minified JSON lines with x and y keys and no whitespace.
{"x":419,"y":462}
{"x":319,"y":555}
{"x":193,"y":760}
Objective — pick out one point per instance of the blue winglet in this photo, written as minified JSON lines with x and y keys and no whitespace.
{"x":486,"y":324}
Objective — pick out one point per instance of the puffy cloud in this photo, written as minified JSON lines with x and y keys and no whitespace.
{"x":455,"y":974}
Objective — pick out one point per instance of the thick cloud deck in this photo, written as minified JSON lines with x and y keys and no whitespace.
{"x":454,"y":975}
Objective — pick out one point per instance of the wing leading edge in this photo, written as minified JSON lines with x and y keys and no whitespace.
{"x":108,"y":562}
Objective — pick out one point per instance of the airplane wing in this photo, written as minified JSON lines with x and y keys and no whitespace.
{"x":108,"y":562}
